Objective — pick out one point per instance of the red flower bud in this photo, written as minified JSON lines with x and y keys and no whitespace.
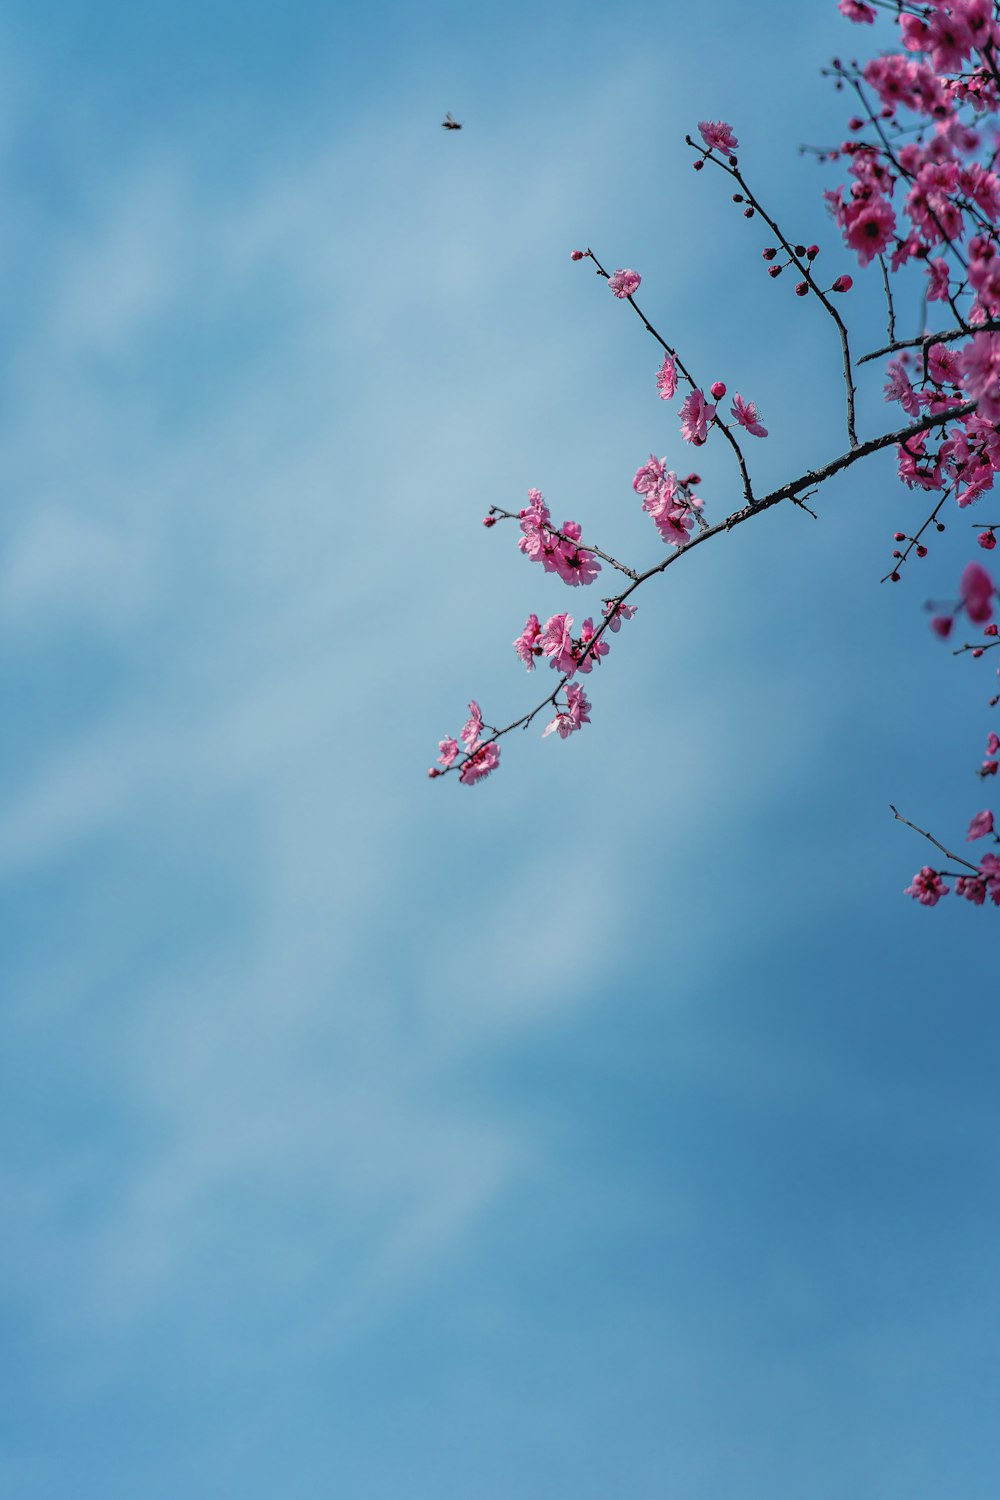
{"x":769,"y":253}
{"x":842,"y":284}
{"x":577,"y":254}
{"x":802,"y":289}
{"x":718,"y":390}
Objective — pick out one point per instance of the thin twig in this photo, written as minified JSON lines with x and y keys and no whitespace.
{"x":937,"y":844}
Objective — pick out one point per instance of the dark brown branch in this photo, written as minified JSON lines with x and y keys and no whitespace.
{"x":791,"y":491}
{"x":805,"y":271}
{"x":947,"y":336}
{"x":937,"y":844}
{"x":716,"y":422}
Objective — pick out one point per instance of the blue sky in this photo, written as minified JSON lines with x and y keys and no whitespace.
{"x":617,"y":1128}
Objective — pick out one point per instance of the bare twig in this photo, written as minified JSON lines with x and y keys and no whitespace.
{"x":937,"y":844}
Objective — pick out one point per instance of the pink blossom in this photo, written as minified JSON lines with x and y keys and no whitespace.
{"x":983,"y":187}
{"x":942,"y":365}
{"x":473,"y":728}
{"x":937,"y":281}
{"x":987,"y":540}
{"x":526,"y":643}
{"x":449,"y":750}
{"x":856,"y":11}
{"x":624,"y":283}
{"x":989,"y":869}
{"x":981,"y":825}
{"x":575,"y":565}
{"x":650,"y":478}
{"x":616,"y":611}
{"x":575,"y":714}
{"x":590,"y":654}
{"x":696,"y":414}
{"x":918,"y":469}
{"x":898,"y":388}
{"x":748,"y":416}
{"x":929,"y":203}
{"x":980,"y":362}
{"x":666,"y":379}
{"x":868,"y":226}
{"x":976,"y":589}
{"x":556,"y":642}
{"x":948,"y":41}
{"x":480,"y":763}
{"x":718,"y":136}
{"x":927,"y":887}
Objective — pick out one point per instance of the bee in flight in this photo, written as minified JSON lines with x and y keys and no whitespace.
{"x":448,"y":123}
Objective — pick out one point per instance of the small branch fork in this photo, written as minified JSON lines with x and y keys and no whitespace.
{"x":926,"y":340}
{"x":937,"y":844}
{"x":805,"y":483}
{"x":685,"y":372}
{"x":510,"y":515}
{"x":731,"y":167}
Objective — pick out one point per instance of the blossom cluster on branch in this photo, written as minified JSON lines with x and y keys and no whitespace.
{"x":922,"y":193}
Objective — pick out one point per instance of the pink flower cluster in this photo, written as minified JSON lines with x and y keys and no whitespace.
{"x":557,"y":551}
{"x":567,"y":653}
{"x":667,"y":499}
{"x":573,"y":716}
{"x":480,"y":757}
{"x":928,"y":885}
{"x":624,"y":283}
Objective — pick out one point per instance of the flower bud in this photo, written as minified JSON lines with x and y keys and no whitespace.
{"x":842,"y":284}
{"x":899,"y":536}
{"x":691,"y":480}
{"x":941,"y":625}
{"x":800,"y":249}
{"x":987,"y":539}
{"x":811,"y":252}
{"x":748,"y":213}
{"x":769,"y":253}
{"x":802,"y":289}
{"x":697,"y":165}
{"x":578,"y":255}
{"x":718,"y":390}
{"x":774,"y":270}
{"x":894,"y":577}
{"x":855,"y":123}
{"x":489,"y":520}
{"x":921,"y":551}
